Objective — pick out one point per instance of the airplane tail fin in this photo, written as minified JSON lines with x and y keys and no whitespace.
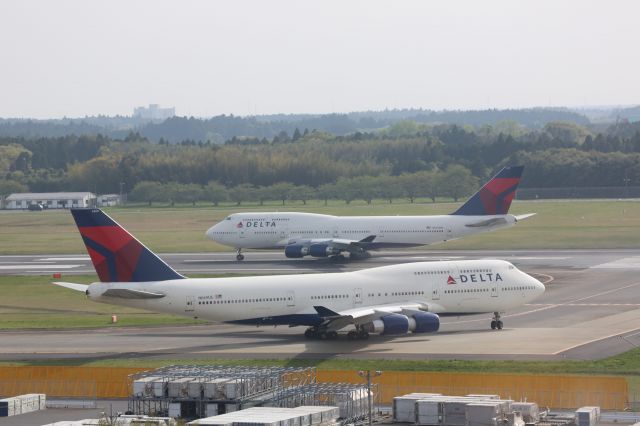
{"x":495,"y":196}
{"x":117,"y":255}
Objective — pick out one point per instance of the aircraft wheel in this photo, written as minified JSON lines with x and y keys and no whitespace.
{"x":310,"y":333}
{"x":323,"y":335}
{"x":493,"y":324}
{"x":240,"y":257}
{"x":352,"y":335}
{"x":364,"y":335}
{"x":499,"y":325}
{"x":332,"y":335}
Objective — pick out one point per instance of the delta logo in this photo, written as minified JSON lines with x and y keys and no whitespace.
{"x":451,"y":280}
{"x":239,"y":225}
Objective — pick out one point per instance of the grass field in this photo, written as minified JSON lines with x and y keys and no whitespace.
{"x":627,"y":364}
{"x":558,"y":224}
{"x":33,"y":302}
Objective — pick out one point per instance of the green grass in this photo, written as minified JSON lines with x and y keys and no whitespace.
{"x":33,"y":302}
{"x":558,"y":224}
{"x":627,"y":364}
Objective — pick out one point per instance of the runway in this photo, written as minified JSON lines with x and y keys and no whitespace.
{"x":274,"y":262}
{"x":591,"y":310}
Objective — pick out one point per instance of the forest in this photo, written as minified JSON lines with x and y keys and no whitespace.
{"x":406,"y":159}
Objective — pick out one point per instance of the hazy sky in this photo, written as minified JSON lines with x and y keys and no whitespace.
{"x":79,"y":57}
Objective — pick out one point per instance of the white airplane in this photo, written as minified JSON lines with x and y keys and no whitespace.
{"x":389,"y":300}
{"x":318,"y":235}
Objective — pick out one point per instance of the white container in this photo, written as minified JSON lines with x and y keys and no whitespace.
{"x":587,"y":416}
{"x":483,"y":396}
{"x":530,"y":411}
{"x":482,"y":413}
{"x":179,"y":388}
{"x":211,"y":410}
{"x":175,"y":410}
{"x":428,"y":412}
{"x":194,"y":389}
{"x":213,"y":388}
{"x":144,"y":385}
{"x":404,"y":407}
{"x":159,"y":387}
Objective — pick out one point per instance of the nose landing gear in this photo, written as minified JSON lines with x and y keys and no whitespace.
{"x":496,"y":324}
{"x":239,"y":255}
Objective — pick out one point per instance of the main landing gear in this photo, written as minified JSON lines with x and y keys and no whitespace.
{"x":239,"y":255}
{"x":496,"y":324}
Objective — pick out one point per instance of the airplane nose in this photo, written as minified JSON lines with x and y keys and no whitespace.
{"x":539,"y":286}
{"x":211,"y":233}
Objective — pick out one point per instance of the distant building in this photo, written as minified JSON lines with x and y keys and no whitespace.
{"x":109,"y":200}
{"x":154,"y":112}
{"x":50,"y":200}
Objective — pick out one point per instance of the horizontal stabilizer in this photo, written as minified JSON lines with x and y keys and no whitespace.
{"x":73,"y":286}
{"x":127,"y":293}
{"x":524,"y":216}
{"x":487,"y":223}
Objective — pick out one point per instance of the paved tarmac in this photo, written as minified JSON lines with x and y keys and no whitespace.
{"x":591,"y":310}
{"x":275,"y":262}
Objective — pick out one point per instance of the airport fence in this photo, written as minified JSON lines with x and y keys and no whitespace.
{"x":554,"y":391}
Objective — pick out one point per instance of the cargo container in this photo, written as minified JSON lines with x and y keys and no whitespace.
{"x":529,"y":410}
{"x":404,"y":407}
{"x":179,"y":388}
{"x":587,"y":416}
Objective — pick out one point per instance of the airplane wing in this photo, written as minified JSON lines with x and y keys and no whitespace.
{"x":342,"y":244}
{"x":357,"y":316}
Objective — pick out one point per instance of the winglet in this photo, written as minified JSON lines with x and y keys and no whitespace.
{"x":495,"y":196}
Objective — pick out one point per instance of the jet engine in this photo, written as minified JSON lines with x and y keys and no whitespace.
{"x":322,"y":250}
{"x":418,"y":322}
{"x":296,"y":250}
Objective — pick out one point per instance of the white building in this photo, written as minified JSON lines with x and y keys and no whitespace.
{"x":50,"y":200}
{"x":109,"y":200}
{"x":154,"y":112}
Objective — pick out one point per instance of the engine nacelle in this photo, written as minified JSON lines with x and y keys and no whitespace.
{"x":296,"y":250}
{"x":321,"y":250}
{"x":425,"y":322}
{"x":418,"y":322}
{"x":389,"y":324}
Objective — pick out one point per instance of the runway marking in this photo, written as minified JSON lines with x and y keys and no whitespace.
{"x":32,"y":266}
{"x":586,"y":304}
{"x":62,"y":259}
{"x":619,"y":333}
{"x":624,"y":263}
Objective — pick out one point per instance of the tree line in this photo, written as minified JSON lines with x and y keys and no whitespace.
{"x":455,"y":182}
{"x":559,"y":154}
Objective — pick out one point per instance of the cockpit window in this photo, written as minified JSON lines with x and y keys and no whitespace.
{"x":228,"y":218}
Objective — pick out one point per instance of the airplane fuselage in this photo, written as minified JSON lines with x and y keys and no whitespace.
{"x":445,"y":288}
{"x":277,"y":230}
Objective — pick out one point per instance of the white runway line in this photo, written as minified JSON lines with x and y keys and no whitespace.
{"x":32,"y":266}
{"x":624,"y":263}
{"x":63,"y":259}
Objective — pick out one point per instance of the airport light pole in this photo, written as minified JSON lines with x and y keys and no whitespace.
{"x":368,"y":374}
